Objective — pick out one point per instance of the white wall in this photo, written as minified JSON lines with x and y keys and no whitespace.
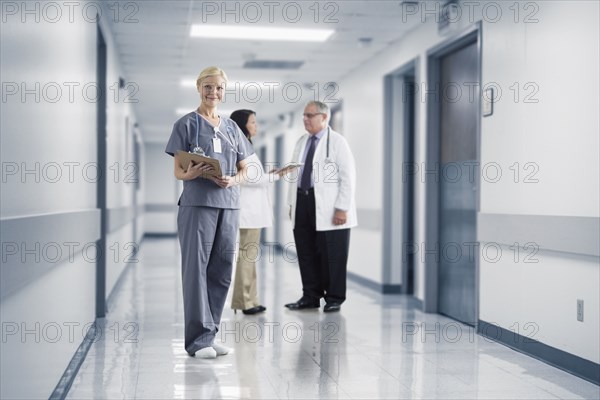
{"x":35,"y":132}
{"x":162,"y":190}
{"x":46,"y":134}
{"x":539,"y":299}
{"x":559,"y":134}
{"x":53,"y":134}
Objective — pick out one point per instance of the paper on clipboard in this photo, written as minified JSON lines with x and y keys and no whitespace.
{"x":185,"y":158}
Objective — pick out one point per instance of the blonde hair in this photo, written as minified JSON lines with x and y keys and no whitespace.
{"x":210,"y":71}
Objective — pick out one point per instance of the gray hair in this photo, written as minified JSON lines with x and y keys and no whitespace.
{"x":321,"y":107}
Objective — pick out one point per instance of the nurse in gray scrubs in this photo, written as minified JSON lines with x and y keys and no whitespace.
{"x":207,"y":221}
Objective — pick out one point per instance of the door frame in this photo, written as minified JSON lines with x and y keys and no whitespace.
{"x":472,"y":34}
{"x":279,"y":145}
{"x":396,"y":131}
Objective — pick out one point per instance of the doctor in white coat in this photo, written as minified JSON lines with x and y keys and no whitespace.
{"x":322,"y":209}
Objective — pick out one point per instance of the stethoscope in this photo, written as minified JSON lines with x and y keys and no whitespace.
{"x":199,"y":150}
{"x":327,"y":159}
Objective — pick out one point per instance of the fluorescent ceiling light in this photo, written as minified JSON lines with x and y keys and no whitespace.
{"x":260,"y":33}
{"x":183,"y":111}
{"x":188,"y":83}
{"x":191,"y":83}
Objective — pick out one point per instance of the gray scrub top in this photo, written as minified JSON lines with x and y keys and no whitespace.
{"x":200,"y":191}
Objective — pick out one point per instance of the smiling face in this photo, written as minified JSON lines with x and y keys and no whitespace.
{"x":211,"y":90}
{"x":314,"y":120}
{"x":251,"y":125}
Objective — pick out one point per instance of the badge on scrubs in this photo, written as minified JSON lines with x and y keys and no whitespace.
{"x":217,"y":145}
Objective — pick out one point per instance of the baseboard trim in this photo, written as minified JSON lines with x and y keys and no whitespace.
{"x":66,"y":380}
{"x":159,"y":235}
{"x":387,"y":288}
{"x":571,"y":363}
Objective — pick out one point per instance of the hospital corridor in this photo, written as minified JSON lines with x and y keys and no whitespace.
{"x":382,"y":199}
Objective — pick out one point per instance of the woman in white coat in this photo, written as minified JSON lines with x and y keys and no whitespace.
{"x":256,"y":213}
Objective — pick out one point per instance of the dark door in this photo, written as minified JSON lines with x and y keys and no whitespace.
{"x":101,"y":197}
{"x":408,"y":211}
{"x":459,"y":110}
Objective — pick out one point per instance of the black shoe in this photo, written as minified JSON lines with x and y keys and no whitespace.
{"x":303,"y":303}
{"x":332,"y":306}
{"x":254,"y":310}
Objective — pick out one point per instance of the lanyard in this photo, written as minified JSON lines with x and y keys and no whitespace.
{"x":216,"y":131}
{"x":197,"y":130}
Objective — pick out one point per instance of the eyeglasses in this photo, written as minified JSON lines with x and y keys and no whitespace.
{"x":311,"y":115}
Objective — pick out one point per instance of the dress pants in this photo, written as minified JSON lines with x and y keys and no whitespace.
{"x":322,"y":255}
{"x":244,"y":286}
{"x":207,"y":238}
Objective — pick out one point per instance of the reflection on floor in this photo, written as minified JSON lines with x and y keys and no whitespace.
{"x":377,"y":347}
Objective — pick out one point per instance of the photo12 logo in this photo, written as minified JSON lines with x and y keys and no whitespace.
{"x":518,"y":172}
{"x":471,"y":92}
{"x":70,"y":92}
{"x":54,"y":12}
{"x":470,"y":12}
{"x":59,"y":252}
{"x":253,"y":12}
{"x":68,"y":172}
{"x":68,"y":332}
{"x":290,"y":332}
{"x":289,"y":92}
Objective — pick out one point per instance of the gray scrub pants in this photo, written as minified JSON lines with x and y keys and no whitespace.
{"x":207,"y":238}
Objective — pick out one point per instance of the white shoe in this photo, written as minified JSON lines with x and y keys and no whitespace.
{"x":206,"y":352}
{"x":220,"y":349}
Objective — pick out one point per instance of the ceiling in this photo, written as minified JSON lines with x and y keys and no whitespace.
{"x":157,"y":52}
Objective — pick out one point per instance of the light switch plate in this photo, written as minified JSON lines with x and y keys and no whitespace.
{"x":488,"y":102}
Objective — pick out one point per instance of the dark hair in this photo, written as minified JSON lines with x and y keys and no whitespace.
{"x":240,"y":117}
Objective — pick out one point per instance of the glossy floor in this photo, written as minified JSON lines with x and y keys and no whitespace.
{"x":377,"y":347}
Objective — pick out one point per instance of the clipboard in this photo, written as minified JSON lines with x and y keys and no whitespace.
{"x":185,"y":158}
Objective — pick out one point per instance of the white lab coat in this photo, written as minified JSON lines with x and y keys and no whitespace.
{"x":256,"y":210}
{"x":335,"y":181}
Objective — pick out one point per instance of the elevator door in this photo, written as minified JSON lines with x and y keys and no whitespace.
{"x":459,"y":110}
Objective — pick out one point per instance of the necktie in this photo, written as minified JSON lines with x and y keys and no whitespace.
{"x":308,"y":165}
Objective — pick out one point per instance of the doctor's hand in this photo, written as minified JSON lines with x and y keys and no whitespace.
{"x":339,"y":217}
{"x":283,"y":171}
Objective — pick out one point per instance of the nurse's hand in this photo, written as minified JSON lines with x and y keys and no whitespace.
{"x":195,"y":170}
{"x":224,"y":181}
